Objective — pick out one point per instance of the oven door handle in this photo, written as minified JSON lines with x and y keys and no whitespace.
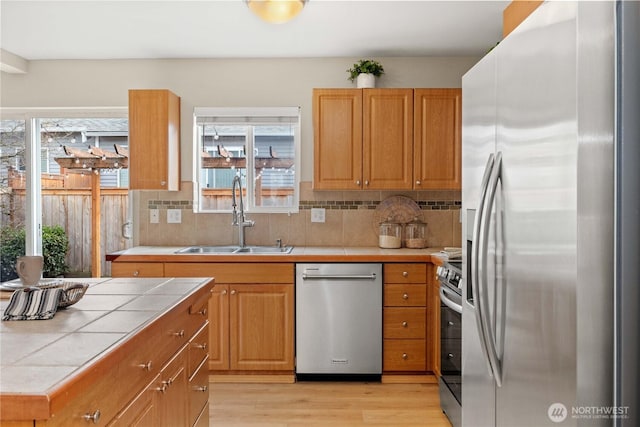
{"x":449,"y":303}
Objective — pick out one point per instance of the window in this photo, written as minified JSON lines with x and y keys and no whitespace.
{"x":261,"y":145}
{"x":35,"y":192}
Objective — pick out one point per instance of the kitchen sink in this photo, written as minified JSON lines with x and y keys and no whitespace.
{"x":255,"y":250}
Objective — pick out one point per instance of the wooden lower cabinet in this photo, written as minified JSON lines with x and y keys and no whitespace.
{"x":251,"y":315}
{"x":137,"y":269}
{"x":407,"y":317}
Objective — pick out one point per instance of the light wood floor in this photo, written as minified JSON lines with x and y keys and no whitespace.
{"x":314,"y":404}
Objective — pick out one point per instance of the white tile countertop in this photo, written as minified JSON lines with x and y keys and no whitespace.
{"x":298,"y":254}
{"x":37,"y":355}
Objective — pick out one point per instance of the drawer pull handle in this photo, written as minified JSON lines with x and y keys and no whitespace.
{"x":95,"y":417}
{"x":405,"y":324}
{"x":179,"y":334}
{"x":202,"y":312}
{"x":405,"y":356}
{"x":405,"y":296}
{"x":146,"y":366}
{"x":450,"y":355}
{"x":202,"y":388}
{"x":405,"y":274}
{"x":163,"y":387}
{"x":202,"y":346}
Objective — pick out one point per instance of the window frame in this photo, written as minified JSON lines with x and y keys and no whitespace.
{"x":256,"y":113}
{"x":33,"y":164}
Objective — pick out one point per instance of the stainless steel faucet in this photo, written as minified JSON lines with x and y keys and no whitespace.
{"x":239,"y":219}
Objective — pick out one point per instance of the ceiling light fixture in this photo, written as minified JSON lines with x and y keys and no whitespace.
{"x":276,"y":11}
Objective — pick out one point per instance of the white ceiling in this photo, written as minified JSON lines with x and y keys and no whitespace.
{"x":120,"y":29}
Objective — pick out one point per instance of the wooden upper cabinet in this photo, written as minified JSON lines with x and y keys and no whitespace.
{"x":362,"y":138}
{"x":437,"y":143}
{"x":154,"y":140}
{"x":337,"y":130}
{"x":387,"y":139}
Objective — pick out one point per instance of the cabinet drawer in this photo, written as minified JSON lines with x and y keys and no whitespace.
{"x":198,"y":314}
{"x":405,"y":273}
{"x":233,"y":272}
{"x":198,"y":393}
{"x":404,"y":322}
{"x":404,"y":355}
{"x":198,"y":349}
{"x":405,"y":295}
{"x":203,"y":418}
{"x":137,"y":269}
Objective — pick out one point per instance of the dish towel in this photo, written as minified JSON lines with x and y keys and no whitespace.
{"x":33,"y":304}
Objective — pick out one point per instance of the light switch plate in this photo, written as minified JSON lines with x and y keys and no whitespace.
{"x":317,"y":214}
{"x":154,"y":216}
{"x":174,"y":216}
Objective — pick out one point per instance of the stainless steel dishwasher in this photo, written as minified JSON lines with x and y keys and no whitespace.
{"x":338,"y":320}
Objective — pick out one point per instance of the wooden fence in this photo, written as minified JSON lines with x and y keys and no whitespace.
{"x":71,"y":209}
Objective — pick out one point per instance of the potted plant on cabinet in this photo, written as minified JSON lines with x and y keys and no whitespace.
{"x":365,"y":72}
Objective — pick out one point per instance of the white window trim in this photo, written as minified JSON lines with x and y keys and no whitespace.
{"x":256,"y":112}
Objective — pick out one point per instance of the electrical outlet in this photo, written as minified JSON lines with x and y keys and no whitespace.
{"x":317,"y":214}
{"x":154,"y":216}
{"x":174,"y":216}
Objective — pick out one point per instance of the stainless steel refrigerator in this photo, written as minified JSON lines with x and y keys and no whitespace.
{"x":550,"y":221}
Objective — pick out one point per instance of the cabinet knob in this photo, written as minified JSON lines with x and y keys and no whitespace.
{"x":358,"y":183}
{"x":405,"y":296}
{"x":146,"y":366}
{"x":202,"y":388}
{"x":418,"y":182}
{"x":405,"y":274}
{"x":366,"y":182}
{"x":162,"y":388}
{"x":405,"y":356}
{"x":224,"y":292}
{"x":136,"y":273}
{"x":179,"y":334}
{"x":405,"y":324}
{"x":450,"y":356}
{"x":202,"y":312}
{"x":202,"y":346}
{"x":163,"y":183}
{"x":233,"y":292}
{"x":95,"y":417}
{"x":450,"y":323}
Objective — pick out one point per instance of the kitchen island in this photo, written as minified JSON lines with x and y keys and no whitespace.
{"x":130,"y":349}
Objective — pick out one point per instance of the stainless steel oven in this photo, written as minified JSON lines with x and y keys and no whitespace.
{"x":450,"y":381}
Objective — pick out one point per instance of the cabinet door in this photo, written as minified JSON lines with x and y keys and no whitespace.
{"x":173,"y":408}
{"x":437,"y":139}
{"x":154,"y":140}
{"x":143,"y":409}
{"x":387,"y":138}
{"x":261,"y":327}
{"x":219,"y":328}
{"x":337,"y":131}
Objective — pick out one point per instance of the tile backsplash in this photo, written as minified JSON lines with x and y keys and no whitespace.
{"x":349,"y":219}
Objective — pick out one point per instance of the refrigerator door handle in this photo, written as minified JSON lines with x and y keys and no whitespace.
{"x":475,"y":247}
{"x":485,"y":218}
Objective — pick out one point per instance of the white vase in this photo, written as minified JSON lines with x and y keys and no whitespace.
{"x":366,"y":81}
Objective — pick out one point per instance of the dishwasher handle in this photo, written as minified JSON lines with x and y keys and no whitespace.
{"x":306,"y":276}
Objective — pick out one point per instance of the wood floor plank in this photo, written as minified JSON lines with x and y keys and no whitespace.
{"x":315,"y":404}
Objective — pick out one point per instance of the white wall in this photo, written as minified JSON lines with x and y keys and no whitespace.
{"x":214,"y":83}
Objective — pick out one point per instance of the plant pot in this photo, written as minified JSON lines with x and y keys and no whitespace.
{"x":366,"y":81}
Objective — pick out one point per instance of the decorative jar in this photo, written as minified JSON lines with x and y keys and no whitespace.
{"x":390,"y":235}
{"x":415,"y":234}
